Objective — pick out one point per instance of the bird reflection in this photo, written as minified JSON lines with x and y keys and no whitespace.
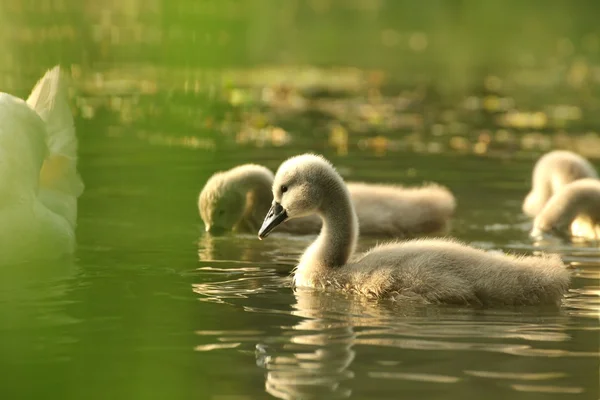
{"x":315,"y":361}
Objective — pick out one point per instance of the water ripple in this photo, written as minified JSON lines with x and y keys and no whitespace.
{"x":548,"y":389}
{"x":248,"y":281}
{"x":542,"y":376}
{"x":415,"y":377}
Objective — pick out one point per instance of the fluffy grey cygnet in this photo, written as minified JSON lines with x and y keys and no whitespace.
{"x":562,"y":206}
{"x":551,"y":172}
{"x":571,"y":213}
{"x":238,"y":200}
{"x":432,"y":270}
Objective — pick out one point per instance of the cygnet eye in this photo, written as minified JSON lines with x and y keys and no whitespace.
{"x":284,"y":189}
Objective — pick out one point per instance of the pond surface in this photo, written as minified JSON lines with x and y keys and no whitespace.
{"x":153,"y":308}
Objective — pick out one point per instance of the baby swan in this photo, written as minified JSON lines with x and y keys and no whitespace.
{"x":572,"y":212}
{"x":238,"y":199}
{"x":432,"y":270}
{"x":551,"y":172}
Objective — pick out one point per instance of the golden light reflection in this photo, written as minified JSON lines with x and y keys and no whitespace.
{"x":262,"y":107}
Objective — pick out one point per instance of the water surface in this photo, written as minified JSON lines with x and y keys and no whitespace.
{"x":152,"y":307}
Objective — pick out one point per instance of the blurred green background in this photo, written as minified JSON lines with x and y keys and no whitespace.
{"x":408,"y":71}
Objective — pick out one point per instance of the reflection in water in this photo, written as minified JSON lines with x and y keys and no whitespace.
{"x":313,"y":359}
{"x":247,"y":248}
{"x":243,"y":283}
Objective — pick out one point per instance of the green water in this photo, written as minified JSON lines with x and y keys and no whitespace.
{"x":151,"y":307}
{"x":464,"y":93}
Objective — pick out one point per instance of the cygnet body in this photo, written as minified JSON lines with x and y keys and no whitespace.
{"x":431,"y":270}
{"x":551,"y":172}
{"x":238,"y":199}
{"x":572,"y":212}
{"x":40,"y":184}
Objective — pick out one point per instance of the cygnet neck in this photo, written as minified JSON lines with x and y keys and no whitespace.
{"x":339,"y":233}
{"x":255,"y":183}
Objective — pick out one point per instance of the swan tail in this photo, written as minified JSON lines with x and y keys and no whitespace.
{"x":49,"y":98}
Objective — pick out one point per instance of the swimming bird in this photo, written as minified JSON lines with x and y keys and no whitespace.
{"x":430,"y":270}
{"x":238,"y":199}
{"x":573,"y":212}
{"x":551,"y":172}
{"x":38,"y":173}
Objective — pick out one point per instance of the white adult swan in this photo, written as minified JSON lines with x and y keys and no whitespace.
{"x":38,"y":175}
{"x":434,"y":270}
{"x":238,"y":199}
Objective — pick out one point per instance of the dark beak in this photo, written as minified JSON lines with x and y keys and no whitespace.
{"x":275,"y":216}
{"x":551,"y":233}
{"x":560,"y":233}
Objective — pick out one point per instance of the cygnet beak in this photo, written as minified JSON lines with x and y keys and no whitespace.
{"x":275,"y":216}
{"x":215,"y":230}
{"x":549,"y":234}
{"x":560,"y":233}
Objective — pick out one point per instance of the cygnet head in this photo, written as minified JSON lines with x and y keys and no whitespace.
{"x":553,"y":221}
{"x":300,"y":188}
{"x":550,"y":231}
{"x":221,"y":204}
